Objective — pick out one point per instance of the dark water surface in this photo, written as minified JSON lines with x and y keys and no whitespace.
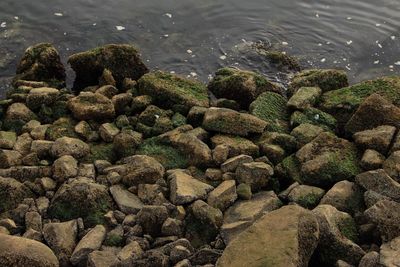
{"x":195,"y":37}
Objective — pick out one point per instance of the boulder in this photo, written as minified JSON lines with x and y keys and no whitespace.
{"x":223,"y":120}
{"x":12,"y":193}
{"x":122,"y":60}
{"x":235,"y":145}
{"x":255,"y":174}
{"x":305,"y":97}
{"x":284,"y":237}
{"x":306,"y":196}
{"x":168,"y":90}
{"x":65,"y":167}
{"x":70,"y":146}
{"x":16,"y":116}
{"x":42,"y":63}
{"x":372,"y":160}
{"x":103,"y":258}
{"x":41,"y":96}
{"x":21,"y":252}
{"x":108,"y":131}
{"x":151,"y":219}
{"x":7,"y":139}
{"x":141,"y":169}
{"x":315,"y":117}
{"x":91,"y":106}
{"x":223,"y":196}
{"x":371,"y":259}
{"x":240,"y":85}
{"x":9,"y":158}
{"x":305,"y":133}
{"x":378,"y":139}
{"x":127,"y":202}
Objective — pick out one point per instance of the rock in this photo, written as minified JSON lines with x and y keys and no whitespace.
{"x":374,"y":111}
{"x":305,"y":133}
{"x":41,"y":96}
{"x":9,"y":158}
{"x":151,"y":219}
{"x":23,"y":144}
{"x":314,"y":116}
{"x":108,"y":131}
{"x":244,"y":191}
{"x":392,"y":167}
{"x":12,"y":193}
{"x":306,"y":196}
{"x":179,"y":253}
{"x":168,"y":90}
{"x":122,"y":60}
{"x":327,"y":160}
{"x":231,"y":164}
{"x":243,"y":213}
{"x":127,"y":202}
{"x":390,"y":253}
{"x":271,"y":108}
{"x":16,"y":116}
{"x":186,"y":189}
{"x":65,"y":167}
{"x":42,"y":63}
{"x":90,"y":242}
{"x":305,"y":97}
{"x":371,"y":259}
{"x":284,"y":237}
{"x":223,"y":120}
{"x":344,"y":102}
{"x":104,"y":258}
{"x":69,"y":146}
{"x":172,"y":227}
{"x":122,"y":103}
{"x":91,"y":106}
{"x":223,"y":196}
{"x":205,"y":256}
{"x":7,"y":139}
{"x":378,"y":138}
{"x":81,"y":197}
{"x":130,"y":253}
{"x":33,"y":221}
{"x":21,"y":252}
{"x":240,"y":85}
{"x":337,"y":235}
{"x":326,"y":79}
{"x":141,"y":169}
{"x":42,"y":148}
{"x":372,"y":160}
{"x":236,"y":145}
{"x":256,"y":174}
{"x":126,"y":142}
{"x":344,"y":196}
{"x":107,"y":78}
{"x":385,"y":214}
{"x":61,"y":238}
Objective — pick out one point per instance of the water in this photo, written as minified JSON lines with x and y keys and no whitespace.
{"x":195,"y":38}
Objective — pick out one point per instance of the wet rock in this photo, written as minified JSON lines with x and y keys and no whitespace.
{"x":284,"y":237}
{"x":327,"y":160}
{"x":385,"y":214}
{"x":12,"y":193}
{"x":337,"y":235}
{"x":236,"y":145}
{"x":228,"y":121}
{"x":141,"y":169}
{"x":107,"y":90}
{"x":380,"y":182}
{"x":326,"y":79}
{"x":390,"y":253}
{"x":127,"y":202}
{"x":21,"y":252}
{"x":168,"y":90}
{"x":61,"y":238}
{"x":392,"y":165}
{"x":122,"y":60}
{"x":65,"y":167}
{"x":151,"y":219}
{"x":69,"y":146}
{"x":42,"y":63}
{"x":305,"y":97}
{"x":306,"y":196}
{"x":305,"y":133}
{"x":223,"y":196}
{"x":107,"y":78}
{"x":81,"y":197}
{"x":243,"y":213}
{"x":186,"y":189}
{"x":91,"y":106}
{"x":378,"y":138}
{"x":256,"y":174}
{"x":344,"y":196}
{"x":122,"y":102}
{"x":271,"y":108}
{"x":90,"y":242}
{"x":372,"y":160}
{"x":240,"y":85}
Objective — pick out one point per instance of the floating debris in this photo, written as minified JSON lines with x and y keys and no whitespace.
{"x":323,"y":60}
{"x":189,"y":51}
{"x":58,"y":14}
{"x":169,"y":15}
{"x":120,"y":28}
{"x":94,"y":24}
{"x":317,"y":15}
{"x":397,"y":63}
{"x":376,"y":62}
{"x":393,"y":37}
{"x":166,"y":35}
{"x":285,"y":43}
{"x":3,"y":24}
{"x":223,"y":57}
{"x":349,"y":42}
{"x":16,"y":18}
{"x":349,"y":18}
{"x":193,"y":74}
{"x":378,"y":24}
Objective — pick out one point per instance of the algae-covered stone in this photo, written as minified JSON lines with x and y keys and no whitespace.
{"x":304,"y":98}
{"x":326,"y":79}
{"x":271,"y":107}
{"x":305,"y":133}
{"x":60,"y":128}
{"x":41,"y":96}
{"x":91,"y":106}
{"x":306,"y":196}
{"x":327,"y":160}
{"x":313,"y":116}
{"x":239,"y":85}
{"x":69,"y":146}
{"x":7,"y":139}
{"x":378,"y":139}
{"x":16,"y":116}
{"x":223,"y":120}
{"x":343,"y":102}
{"x":122,"y":60}
{"x":41,"y":62}
{"x":236,"y":145}
{"x":168,"y":90}
{"x":81,"y":197}
{"x":12,"y":193}
{"x":284,"y":237}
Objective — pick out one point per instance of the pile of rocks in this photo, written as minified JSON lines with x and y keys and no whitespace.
{"x":139,"y":168}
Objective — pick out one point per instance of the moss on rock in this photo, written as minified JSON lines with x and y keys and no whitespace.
{"x":313,"y":116}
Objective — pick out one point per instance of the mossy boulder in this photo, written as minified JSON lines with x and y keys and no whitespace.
{"x":91,"y":106}
{"x":240,"y":85}
{"x":62,"y":127}
{"x":81,"y":198}
{"x":326,"y":79}
{"x":12,"y":193}
{"x":327,"y":160}
{"x":271,"y":107}
{"x":16,"y":116}
{"x":101,"y":151}
{"x":41,"y":62}
{"x":313,"y":116}
{"x":122,"y":60}
{"x":236,"y":145}
{"x":344,"y":102}
{"x":169,"y":90}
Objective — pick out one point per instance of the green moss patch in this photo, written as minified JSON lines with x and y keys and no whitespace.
{"x":313,"y":116}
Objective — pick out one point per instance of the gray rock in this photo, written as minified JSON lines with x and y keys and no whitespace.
{"x":306,"y":196}
{"x":371,"y":259}
{"x":104,"y":258}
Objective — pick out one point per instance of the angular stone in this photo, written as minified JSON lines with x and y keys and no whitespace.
{"x":41,"y":96}
{"x":305,"y":133}
{"x":305,"y":97}
{"x":231,"y":164}
{"x":151,"y":219}
{"x":65,"y":167}
{"x":284,"y":237}
{"x":9,"y":158}
{"x":256,"y":174}
{"x":223,"y":196}
{"x":108,"y":131}
{"x":12,"y":193}
{"x":371,"y":259}
{"x":127,"y":202}
{"x":372,"y":160}
{"x":392,"y":165}
{"x":104,"y":258}
{"x":236,"y":145}
{"x":141,"y":169}
{"x":306,"y":196}
{"x":378,"y":138}
{"x":91,"y":106}
{"x":70,"y":146}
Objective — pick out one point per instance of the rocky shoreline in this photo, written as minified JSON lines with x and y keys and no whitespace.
{"x":133,"y":167}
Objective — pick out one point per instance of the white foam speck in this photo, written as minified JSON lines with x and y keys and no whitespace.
{"x":169,"y":15}
{"x":379,"y":45}
{"x":16,"y":18}
{"x":391,"y":66}
{"x":349,"y":42}
{"x":377,"y":24}
{"x":393,"y":37}
{"x":166,"y":35}
{"x":223,"y":57}
{"x":317,"y":15}
{"x":189,"y":51}
{"x":349,"y":18}
{"x":172,"y":72}
{"x":376,"y":62}
{"x":323,"y":60}
{"x":285,"y":43}
{"x":94,"y":24}
{"x":397,"y":63}
{"x":193,"y":74}
{"x":120,"y":28}
{"x":3,"y":24}
{"x":58,"y":14}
